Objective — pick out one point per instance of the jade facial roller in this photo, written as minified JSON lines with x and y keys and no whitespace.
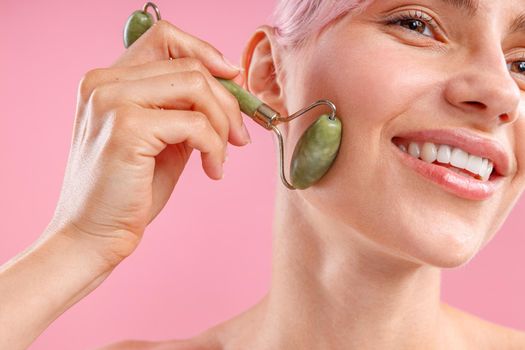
{"x":317,"y":148}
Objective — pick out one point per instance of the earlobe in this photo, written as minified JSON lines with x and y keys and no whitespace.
{"x":261,"y":63}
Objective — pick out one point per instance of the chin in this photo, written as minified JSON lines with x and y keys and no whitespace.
{"x":448,"y":244}
{"x":446,"y":256}
{"x":419,"y":236}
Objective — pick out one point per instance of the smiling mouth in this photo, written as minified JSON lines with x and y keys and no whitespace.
{"x":453,"y":158}
{"x":455,"y":172}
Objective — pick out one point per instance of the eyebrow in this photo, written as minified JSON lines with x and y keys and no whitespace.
{"x":518,"y":25}
{"x":471,"y":6}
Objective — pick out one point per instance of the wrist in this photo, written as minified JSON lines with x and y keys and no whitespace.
{"x":45,"y":280}
{"x":67,"y":241}
{"x":104,"y":252}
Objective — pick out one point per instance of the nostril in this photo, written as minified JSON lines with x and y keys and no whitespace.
{"x":476,"y":104}
{"x":504,"y":117}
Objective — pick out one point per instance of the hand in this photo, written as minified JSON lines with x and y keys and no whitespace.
{"x":136,"y":124}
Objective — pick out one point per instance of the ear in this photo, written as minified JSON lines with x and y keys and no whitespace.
{"x":263,"y":76}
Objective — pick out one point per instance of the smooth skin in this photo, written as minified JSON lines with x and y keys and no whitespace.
{"x":136,"y":124}
{"x":362,"y":269}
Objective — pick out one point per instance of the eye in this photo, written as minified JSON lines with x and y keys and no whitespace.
{"x":516,"y":66}
{"x":415,"y":21}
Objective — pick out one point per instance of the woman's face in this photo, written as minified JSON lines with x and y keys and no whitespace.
{"x":390,"y":73}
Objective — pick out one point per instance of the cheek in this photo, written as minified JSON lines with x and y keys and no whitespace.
{"x":374,"y":82}
{"x":375,"y":88}
{"x":376,"y":85}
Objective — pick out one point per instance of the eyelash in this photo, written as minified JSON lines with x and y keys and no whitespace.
{"x":429,"y":21}
{"x":413,"y":15}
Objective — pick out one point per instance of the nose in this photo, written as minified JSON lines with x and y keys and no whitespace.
{"x":484,"y":89}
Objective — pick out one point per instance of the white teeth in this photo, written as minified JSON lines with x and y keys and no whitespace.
{"x":413,"y":149}
{"x":429,"y":152}
{"x":474,"y":164}
{"x":444,"y":154}
{"x":459,"y":158}
{"x":454,"y":156}
{"x":487,"y":173}
{"x":484,"y":167}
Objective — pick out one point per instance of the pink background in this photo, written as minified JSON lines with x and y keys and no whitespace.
{"x":207,"y":256}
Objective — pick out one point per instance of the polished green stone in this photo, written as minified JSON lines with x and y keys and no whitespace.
{"x":138,"y":23}
{"x":248,"y":103}
{"x":315,"y":151}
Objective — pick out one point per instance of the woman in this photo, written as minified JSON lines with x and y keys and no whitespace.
{"x":357,"y":256}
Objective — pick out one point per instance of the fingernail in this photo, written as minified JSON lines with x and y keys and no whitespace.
{"x":247,"y":137}
{"x":231,"y":65}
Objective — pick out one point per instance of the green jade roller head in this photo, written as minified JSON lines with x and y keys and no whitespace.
{"x":316,"y":149}
{"x":138,"y":23}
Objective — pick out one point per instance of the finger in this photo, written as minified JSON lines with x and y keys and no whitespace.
{"x":163,"y":41}
{"x":239,"y":78}
{"x":138,"y":132}
{"x":228,"y":102}
{"x":188,"y":90}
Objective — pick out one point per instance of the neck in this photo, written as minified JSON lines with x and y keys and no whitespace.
{"x":334,"y":289}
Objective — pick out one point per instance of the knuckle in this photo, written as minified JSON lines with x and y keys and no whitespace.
{"x":124,"y":119}
{"x":202,"y":125}
{"x":197,"y":80}
{"x":212,"y":50}
{"x":232,"y":103}
{"x":208,"y":48}
{"x":224,"y":126}
{"x":194,"y":64}
{"x":225,"y":122}
{"x":121,"y":124}
{"x":220,"y":148}
{"x":101,"y":97}
{"x":89,"y":82}
{"x":162,"y":28}
{"x":165,"y":32}
{"x":223,"y":147}
{"x":200,"y":122}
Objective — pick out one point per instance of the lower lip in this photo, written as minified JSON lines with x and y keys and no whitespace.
{"x":464,"y":187}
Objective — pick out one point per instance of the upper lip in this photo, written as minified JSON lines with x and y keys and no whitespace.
{"x":467,"y":141}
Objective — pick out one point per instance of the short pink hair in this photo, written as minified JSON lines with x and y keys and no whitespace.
{"x":295,"y":21}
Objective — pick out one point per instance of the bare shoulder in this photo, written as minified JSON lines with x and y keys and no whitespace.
{"x":184,"y":344}
{"x":483,"y":334}
{"x":138,"y":345}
